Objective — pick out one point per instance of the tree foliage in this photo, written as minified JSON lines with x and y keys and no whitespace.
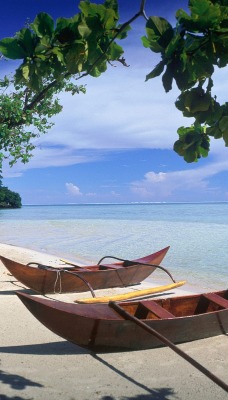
{"x":8,"y":198}
{"x":189,"y":54}
{"x":55,"y":55}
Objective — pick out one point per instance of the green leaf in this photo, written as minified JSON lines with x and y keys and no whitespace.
{"x":94,"y":51}
{"x":199,"y":104}
{"x":67,"y":29}
{"x":107,"y":16}
{"x":156,"y":71}
{"x":225,"y":138}
{"x":84,"y":30}
{"x":145,"y":42}
{"x":175,"y":45}
{"x":124,"y":32}
{"x":200,"y":64}
{"x":196,"y":101}
{"x":159,"y":33}
{"x":116,"y":51}
{"x":107,"y":13}
{"x":57,"y":51}
{"x":191,"y":156}
{"x":182,"y":17}
{"x":204,"y":152}
{"x":205,"y":13}
{"x":89,"y":9}
{"x":75,"y":57}
{"x":193,"y":143}
{"x":178,"y":147}
{"x":25,"y":71}
{"x":109,"y":19}
{"x":223,"y":125}
{"x":43,"y":25}
{"x":27,"y":41}
{"x":96,"y":72}
{"x":10,"y":48}
{"x":167,"y":79}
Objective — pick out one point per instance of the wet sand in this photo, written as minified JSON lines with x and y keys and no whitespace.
{"x":37,"y":364}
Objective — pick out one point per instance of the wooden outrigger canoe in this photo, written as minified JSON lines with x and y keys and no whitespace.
{"x":101,"y":326}
{"x":45,"y":279}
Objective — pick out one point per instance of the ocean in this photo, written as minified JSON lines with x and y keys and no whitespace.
{"x":197,"y":234}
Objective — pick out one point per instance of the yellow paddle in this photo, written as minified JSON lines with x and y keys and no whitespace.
{"x":130,"y":295}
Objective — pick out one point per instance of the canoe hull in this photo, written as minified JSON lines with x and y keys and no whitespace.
{"x":98,"y":327}
{"x":61,"y":281}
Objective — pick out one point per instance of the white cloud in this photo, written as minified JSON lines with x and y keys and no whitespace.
{"x":44,"y":157}
{"x":73,"y":189}
{"x":166,"y":185}
{"x":119,"y":111}
{"x":155,"y":178}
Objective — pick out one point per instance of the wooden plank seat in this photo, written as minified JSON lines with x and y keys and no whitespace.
{"x":155,"y":308}
{"x":214,"y":298}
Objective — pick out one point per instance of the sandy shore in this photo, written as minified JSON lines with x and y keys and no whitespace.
{"x":37,"y":364}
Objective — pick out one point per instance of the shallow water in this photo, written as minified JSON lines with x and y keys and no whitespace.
{"x":197,"y":234}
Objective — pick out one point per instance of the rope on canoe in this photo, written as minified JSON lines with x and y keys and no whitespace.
{"x":58,"y":277}
{"x":128,"y":263}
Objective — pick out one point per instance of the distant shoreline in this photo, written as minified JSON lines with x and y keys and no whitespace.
{"x":127,"y":204}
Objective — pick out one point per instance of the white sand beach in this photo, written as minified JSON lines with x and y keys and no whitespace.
{"x":37,"y":364}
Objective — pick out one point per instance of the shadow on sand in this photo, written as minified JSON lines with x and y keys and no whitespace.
{"x":16,"y":382}
{"x":17,"y":287}
{"x":53,"y":348}
{"x":64,"y":348}
{"x":156,"y":394}
{"x":4,"y":397}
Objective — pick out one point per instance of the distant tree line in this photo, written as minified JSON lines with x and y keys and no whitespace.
{"x":8,"y":198}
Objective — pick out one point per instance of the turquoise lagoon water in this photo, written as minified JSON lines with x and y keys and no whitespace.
{"x":197,"y":234}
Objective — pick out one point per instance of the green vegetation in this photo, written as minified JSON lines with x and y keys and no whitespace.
{"x":56,"y":55}
{"x":9,"y":199}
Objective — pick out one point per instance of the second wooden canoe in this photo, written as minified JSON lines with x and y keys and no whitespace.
{"x":98,"y":326}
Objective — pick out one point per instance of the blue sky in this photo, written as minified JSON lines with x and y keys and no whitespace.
{"x":114,"y":144}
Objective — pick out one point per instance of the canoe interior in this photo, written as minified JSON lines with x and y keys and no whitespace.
{"x":183,"y":306}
